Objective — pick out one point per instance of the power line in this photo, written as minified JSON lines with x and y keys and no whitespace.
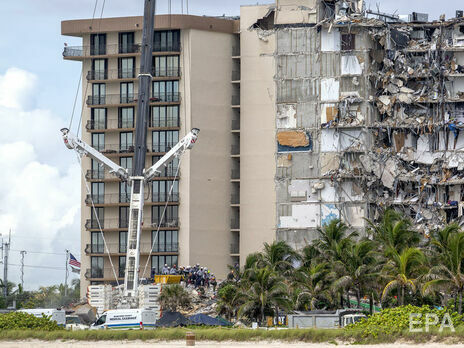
{"x":31,"y":266}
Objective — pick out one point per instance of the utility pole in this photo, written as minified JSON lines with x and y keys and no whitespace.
{"x":22,"y":252}
{"x":66,"y":274}
{"x":6,"y":249}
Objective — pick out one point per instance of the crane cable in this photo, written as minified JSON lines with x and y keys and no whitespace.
{"x":82,"y":72}
{"x":79,"y":159}
{"x":162,"y":216}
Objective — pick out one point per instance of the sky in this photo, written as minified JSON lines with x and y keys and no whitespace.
{"x":40,"y":190}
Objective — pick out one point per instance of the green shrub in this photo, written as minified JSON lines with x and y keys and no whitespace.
{"x":394,"y":321}
{"x":20,"y":320}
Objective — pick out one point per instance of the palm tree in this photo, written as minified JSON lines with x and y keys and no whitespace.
{"x":402,"y":271}
{"x":261,"y":290}
{"x":173,"y":297}
{"x":356,"y":268}
{"x":333,"y":240}
{"x":447,"y":273}
{"x":228,"y":301}
{"x":311,"y":286}
{"x":394,"y":231}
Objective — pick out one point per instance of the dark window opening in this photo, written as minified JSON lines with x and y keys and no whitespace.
{"x":348,"y":42}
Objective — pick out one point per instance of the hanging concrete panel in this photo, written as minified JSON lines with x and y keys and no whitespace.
{"x":329,"y":64}
{"x":349,"y":139}
{"x":329,"y":212}
{"x":306,"y":114}
{"x":302,"y":216}
{"x":330,"y":90}
{"x":330,"y":41}
{"x":286,"y":116}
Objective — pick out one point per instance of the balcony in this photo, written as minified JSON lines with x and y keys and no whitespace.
{"x":168,"y":97}
{"x":167,"y":222}
{"x":114,"y":148}
{"x":117,"y":74}
{"x":235,"y":125}
{"x":236,"y":51}
{"x":235,"y":199}
{"x":168,"y":47}
{"x":113,"y":49}
{"x":116,"y":248}
{"x":161,"y":147}
{"x":110,"y":198}
{"x":235,"y":100}
{"x":236,"y":75}
{"x":166,"y":72}
{"x":106,"y":273}
{"x":109,"y":124}
{"x":234,"y":224}
{"x":163,"y":197}
{"x":101,"y":174}
{"x":235,"y":150}
{"x":168,"y":122}
{"x":235,"y":174}
{"x":235,"y":248}
{"x":111,"y":99}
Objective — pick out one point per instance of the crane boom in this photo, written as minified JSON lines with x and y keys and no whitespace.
{"x":73,"y":142}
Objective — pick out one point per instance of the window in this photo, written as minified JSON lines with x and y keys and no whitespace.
{"x":97,"y":170}
{"x":158,"y":261}
{"x":123,"y":217}
{"x":127,"y":92}
{"x":163,"y":141}
{"x":126,"y":43}
{"x":98,"y":192}
{"x":170,"y":217}
{"x":98,"y":141}
{"x":97,"y":44}
{"x":166,"y":40}
{"x":126,"y":68}
{"x":165,"y":241}
{"x":122,"y":266}
{"x":125,"y":142}
{"x":126,"y":117}
{"x":161,"y":189}
{"x":166,"y":66}
{"x":165,"y":116}
{"x":99,"y":69}
{"x":97,"y":215}
{"x":98,"y":94}
{"x":97,"y":246}
{"x":98,"y":118}
{"x":101,"y":320}
{"x":166,"y":91}
{"x":96,"y":266}
{"x":170,"y":170}
{"x":124,"y":192}
{"x":123,"y":241}
{"x":348,"y":42}
{"x":126,"y":162}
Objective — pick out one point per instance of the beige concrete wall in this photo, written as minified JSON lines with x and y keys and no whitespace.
{"x":205,"y":207}
{"x":257,"y":141}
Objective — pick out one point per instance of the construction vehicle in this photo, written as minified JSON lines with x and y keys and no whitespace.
{"x":128,"y":297}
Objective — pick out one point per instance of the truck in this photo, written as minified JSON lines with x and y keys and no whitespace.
{"x":57,"y":315}
{"x":123,"y":319}
{"x":323,"y":319}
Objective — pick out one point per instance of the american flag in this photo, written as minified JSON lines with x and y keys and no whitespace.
{"x":73,"y":261}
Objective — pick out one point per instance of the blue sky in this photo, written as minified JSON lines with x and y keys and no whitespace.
{"x":37,"y":89}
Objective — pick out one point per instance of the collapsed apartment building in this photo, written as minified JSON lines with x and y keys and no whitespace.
{"x":368,"y":115}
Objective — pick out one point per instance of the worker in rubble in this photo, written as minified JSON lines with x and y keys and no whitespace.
{"x":164,"y":271}
{"x":213,"y":282}
{"x":231,"y":276}
{"x":173,"y":270}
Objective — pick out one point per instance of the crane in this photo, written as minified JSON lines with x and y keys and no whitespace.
{"x":140,"y":176}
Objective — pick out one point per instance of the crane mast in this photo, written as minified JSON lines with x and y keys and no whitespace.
{"x":140,"y":177}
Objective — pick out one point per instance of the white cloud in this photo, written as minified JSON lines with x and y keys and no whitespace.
{"x":40,"y":191}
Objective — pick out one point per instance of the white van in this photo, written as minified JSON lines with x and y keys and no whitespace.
{"x":57,"y":315}
{"x":126,"y":319}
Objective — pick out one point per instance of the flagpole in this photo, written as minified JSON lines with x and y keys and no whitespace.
{"x":66,"y":274}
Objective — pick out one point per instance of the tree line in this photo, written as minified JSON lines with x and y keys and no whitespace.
{"x":392,"y":264}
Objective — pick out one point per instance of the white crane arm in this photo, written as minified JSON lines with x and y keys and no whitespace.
{"x":73,"y":142}
{"x":183,"y":145}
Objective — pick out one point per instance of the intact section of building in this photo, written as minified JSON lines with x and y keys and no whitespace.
{"x":187,"y":211}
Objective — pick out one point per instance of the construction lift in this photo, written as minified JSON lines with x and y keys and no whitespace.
{"x":140,"y":176}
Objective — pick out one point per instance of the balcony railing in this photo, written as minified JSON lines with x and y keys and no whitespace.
{"x":109,"y":198}
{"x":172,"y":47}
{"x":164,"y":197}
{"x":166,"y":72}
{"x":169,"y":121}
{"x":92,"y":50}
{"x":236,"y":100}
{"x":167,"y":222}
{"x":115,"y":248}
{"x":235,"y":224}
{"x":161,"y":147}
{"x":97,"y":75}
{"x":235,"y":199}
{"x":114,"y":148}
{"x":111,"y":99}
{"x":235,"y":248}
{"x":99,"y":175}
{"x":235,"y":124}
{"x":236,"y":51}
{"x":235,"y":150}
{"x":168,"y":97}
{"x":109,"y":124}
{"x":235,"y":174}
{"x":236,"y":75}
